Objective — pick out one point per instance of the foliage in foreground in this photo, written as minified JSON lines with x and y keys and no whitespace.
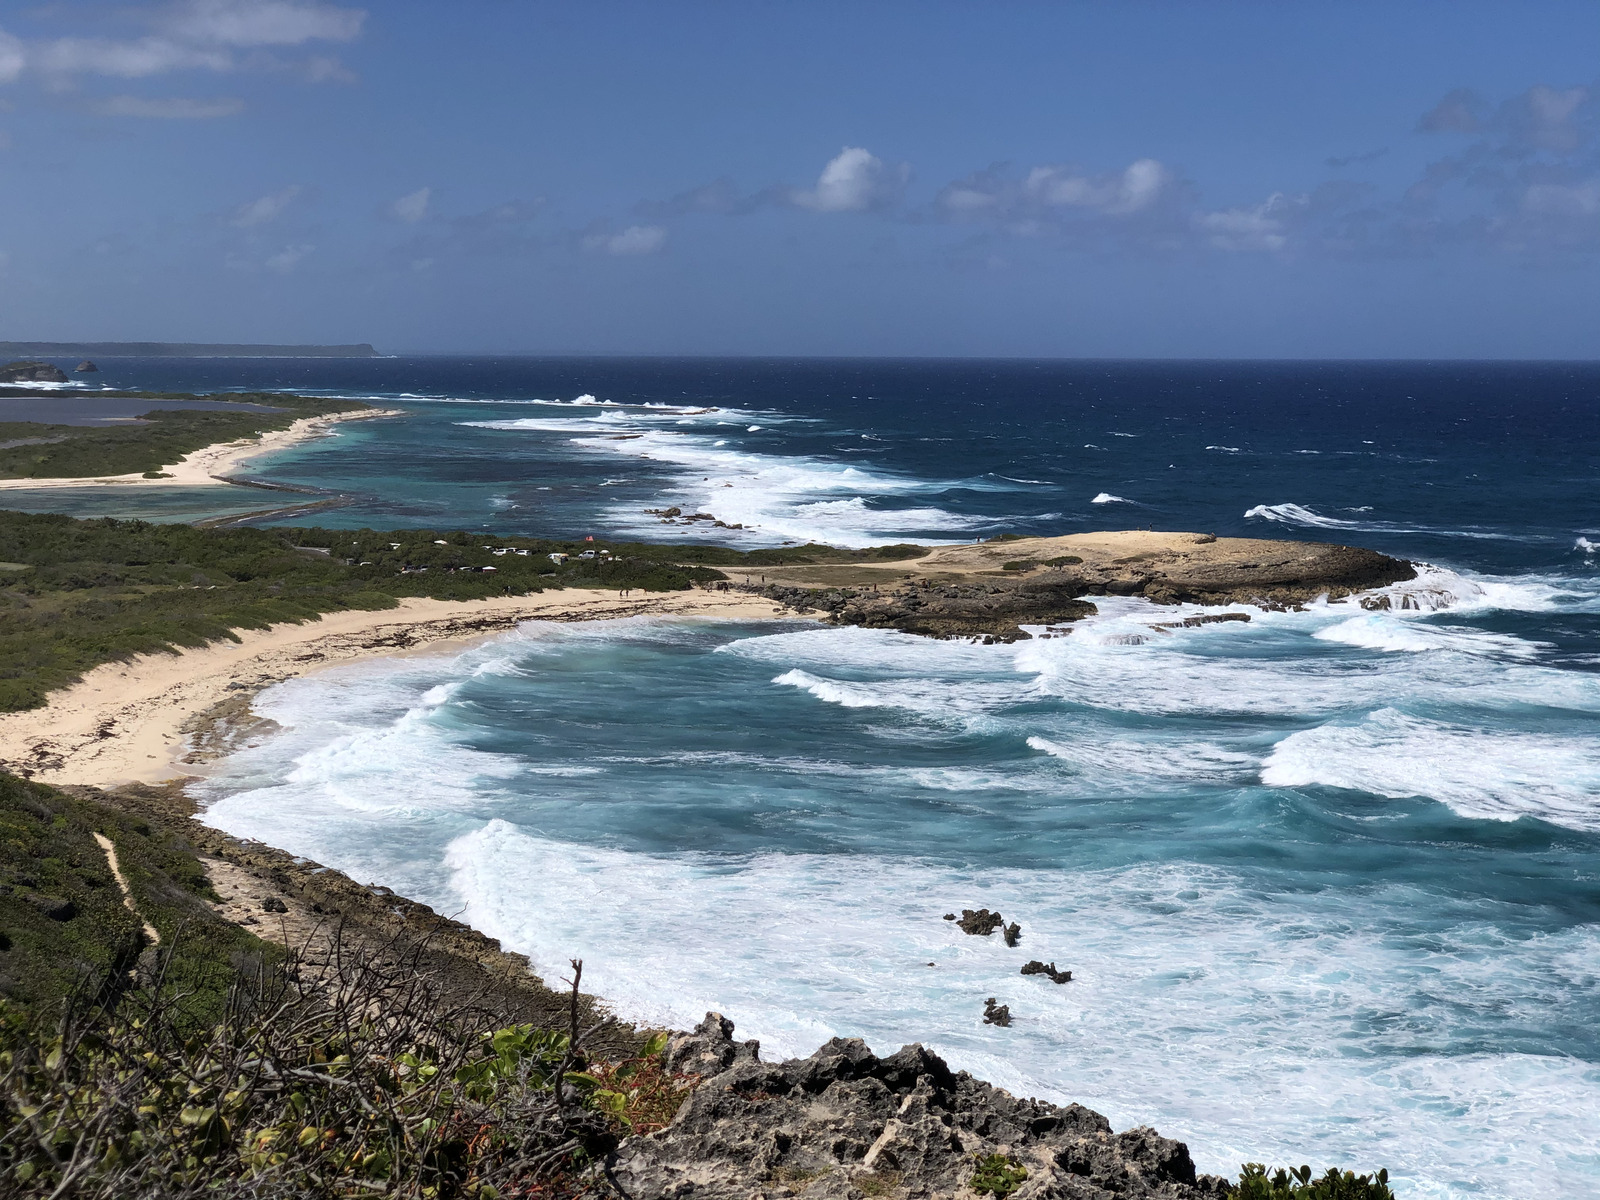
{"x":1255,"y":1183}
{"x":353,"y":1079}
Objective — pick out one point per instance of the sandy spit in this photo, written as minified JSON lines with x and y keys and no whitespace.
{"x":125,"y":722}
{"x":206,"y":466}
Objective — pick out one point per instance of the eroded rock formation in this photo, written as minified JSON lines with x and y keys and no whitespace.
{"x":845,"y":1123}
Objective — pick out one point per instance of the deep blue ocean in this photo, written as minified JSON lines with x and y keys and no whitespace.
{"x":1328,"y":881}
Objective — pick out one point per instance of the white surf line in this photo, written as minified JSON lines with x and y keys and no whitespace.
{"x":127,"y":894}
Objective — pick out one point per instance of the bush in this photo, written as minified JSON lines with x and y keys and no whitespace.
{"x":355,"y":1079}
{"x":1297,"y":1184}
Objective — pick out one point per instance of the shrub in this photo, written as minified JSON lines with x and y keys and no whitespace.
{"x":997,"y":1174}
{"x":1297,"y":1184}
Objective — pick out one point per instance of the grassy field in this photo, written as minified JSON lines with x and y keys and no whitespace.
{"x":40,"y":450}
{"x":78,"y":593}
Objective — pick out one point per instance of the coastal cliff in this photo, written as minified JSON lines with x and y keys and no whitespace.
{"x":845,"y":1123}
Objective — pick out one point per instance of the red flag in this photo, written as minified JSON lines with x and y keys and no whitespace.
{"x":590,"y":538}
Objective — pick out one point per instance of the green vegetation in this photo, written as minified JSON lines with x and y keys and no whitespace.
{"x":1256,"y":1184}
{"x":64,"y":927}
{"x":358,"y":1081}
{"x":38,"y":450}
{"x":80,"y":593}
{"x":997,"y":1175}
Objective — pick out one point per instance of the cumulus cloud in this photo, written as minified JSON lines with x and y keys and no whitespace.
{"x":853,"y":180}
{"x":1263,"y":227}
{"x":287,"y":259}
{"x":189,"y":35}
{"x":1141,"y":200}
{"x":265,"y":210}
{"x":172,"y":108}
{"x":633,"y":241}
{"x":1563,"y":200}
{"x":263,"y":22}
{"x":1525,"y":178}
{"x":413,"y":206}
{"x":1136,"y":187}
{"x":12,"y":58}
{"x":1461,"y":111}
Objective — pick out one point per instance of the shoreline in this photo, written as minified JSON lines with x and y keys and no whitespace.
{"x":158,"y":717}
{"x":206,"y":466}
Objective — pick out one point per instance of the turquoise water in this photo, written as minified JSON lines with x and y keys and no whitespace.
{"x":1326,"y":880}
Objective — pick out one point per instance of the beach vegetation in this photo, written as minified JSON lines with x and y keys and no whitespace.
{"x":160,"y":437}
{"x":79,"y":593}
{"x":1258,"y":1182}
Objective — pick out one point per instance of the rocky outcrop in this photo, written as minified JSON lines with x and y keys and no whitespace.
{"x":845,"y":1123}
{"x":983,"y":591}
{"x":85,"y":367}
{"x":29,"y":371}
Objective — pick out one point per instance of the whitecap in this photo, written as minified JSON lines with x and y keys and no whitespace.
{"x":1484,"y":774}
{"x":1108,"y":498}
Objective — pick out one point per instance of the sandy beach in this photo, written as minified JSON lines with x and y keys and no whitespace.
{"x":208,"y":466}
{"x":130,"y":722}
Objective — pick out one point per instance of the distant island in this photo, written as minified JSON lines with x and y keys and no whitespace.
{"x":179,"y":350}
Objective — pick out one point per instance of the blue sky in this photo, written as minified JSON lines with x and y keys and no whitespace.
{"x":1004,"y":178}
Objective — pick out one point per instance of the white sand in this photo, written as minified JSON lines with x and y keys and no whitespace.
{"x":204,"y":467}
{"x":123,"y":722}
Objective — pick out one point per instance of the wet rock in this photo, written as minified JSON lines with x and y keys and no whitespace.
{"x":995,"y":1013}
{"x":981,"y":921}
{"x":273,"y":904}
{"x":845,"y":1123}
{"x":1035,"y":967}
{"x":1012,"y":933}
{"x":85,"y":368}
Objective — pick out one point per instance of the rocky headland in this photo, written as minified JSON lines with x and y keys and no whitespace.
{"x":845,"y":1123}
{"x":992,"y":589}
{"x":28,"y":371}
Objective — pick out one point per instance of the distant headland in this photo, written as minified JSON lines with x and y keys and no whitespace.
{"x":179,"y":350}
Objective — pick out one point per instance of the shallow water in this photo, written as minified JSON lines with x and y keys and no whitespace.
{"x":1326,"y":880}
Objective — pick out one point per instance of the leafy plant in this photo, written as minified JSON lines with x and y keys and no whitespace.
{"x":997,"y":1174}
{"x":1297,"y":1184}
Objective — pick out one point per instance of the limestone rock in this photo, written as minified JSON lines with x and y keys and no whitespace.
{"x":845,"y":1123}
{"x":30,"y":371}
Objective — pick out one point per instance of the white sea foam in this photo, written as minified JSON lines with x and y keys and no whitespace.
{"x":1483,"y":774}
{"x":1108,"y":498}
{"x":768,"y":496}
{"x":1378,"y":631}
{"x":1281,"y":1013}
{"x":1586,"y":545}
{"x":1299,"y":1015}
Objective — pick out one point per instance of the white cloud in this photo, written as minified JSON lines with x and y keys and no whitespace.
{"x":136,"y":59}
{"x":1264,"y":227}
{"x":1131,"y":190}
{"x":1563,"y":200}
{"x":190,"y":35}
{"x":168,"y":108}
{"x":413,"y":206}
{"x":287,"y":259}
{"x":12,"y":58}
{"x":265,"y":210}
{"x":853,"y":180}
{"x":264,"y":23}
{"x":634,"y":240}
